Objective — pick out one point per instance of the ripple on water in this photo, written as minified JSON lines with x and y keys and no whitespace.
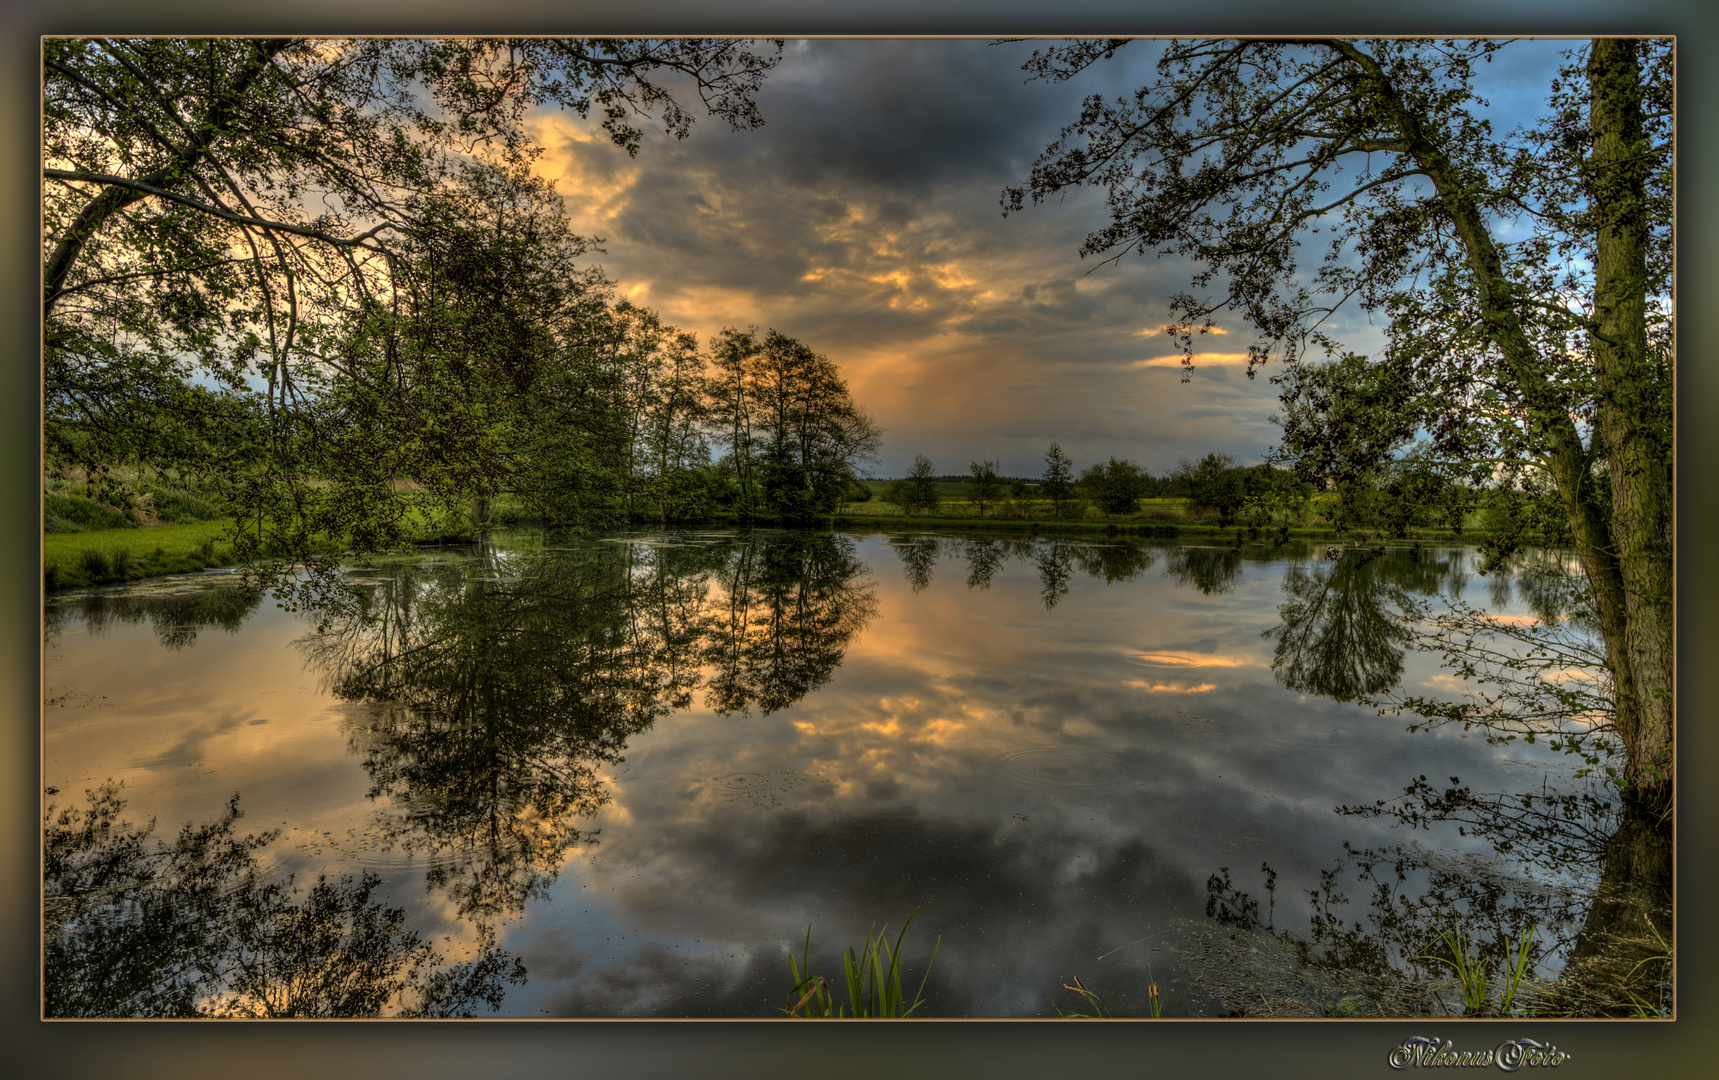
{"x":767,"y":790}
{"x":1065,"y":767}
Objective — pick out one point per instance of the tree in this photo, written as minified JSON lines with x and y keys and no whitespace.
{"x":731,"y":401}
{"x":922,"y":485}
{"x":817,"y":437}
{"x":1524,"y":278}
{"x":1058,"y":482}
{"x":1116,"y":487}
{"x":666,"y":407}
{"x":1201,"y":483}
{"x":258,"y":214}
{"x":795,"y":438}
{"x":984,"y":487}
{"x":500,"y":368}
{"x":899,"y":494}
{"x":135,"y":926}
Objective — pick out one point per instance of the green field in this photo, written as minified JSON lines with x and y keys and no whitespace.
{"x":1160,"y":517}
{"x":955,"y":503}
{"x":111,"y":556}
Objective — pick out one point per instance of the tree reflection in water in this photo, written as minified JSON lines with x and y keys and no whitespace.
{"x":791,"y":603}
{"x":499,"y":690}
{"x":1592,"y":871}
{"x":918,"y":556}
{"x":1055,"y":560}
{"x":135,"y":927}
{"x":176,"y":613}
{"x":1213,"y":571}
{"x":499,"y":696}
{"x":1345,"y":627}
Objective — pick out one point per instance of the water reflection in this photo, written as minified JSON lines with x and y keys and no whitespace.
{"x":177,"y":612}
{"x":137,"y":927}
{"x":918,"y":559}
{"x":1344,"y":627}
{"x":789,"y":606}
{"x":1590,"y":944}
{"x":501,"y":694}
{"x":1213,"y":571}
{"x":1056,"y":561}
{"x":1592,"y":900}
{"x":778,"y":728}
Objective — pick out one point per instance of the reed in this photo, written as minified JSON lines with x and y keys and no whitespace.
{"x":1470,"y":968}
{"x":873,"y":977}
{"x":1517,"y":972}
{"x":1100,"y":1009}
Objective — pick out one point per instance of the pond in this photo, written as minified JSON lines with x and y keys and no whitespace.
{"x":623,"y":777}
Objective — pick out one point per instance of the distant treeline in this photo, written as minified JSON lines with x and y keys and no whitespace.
{"x":1409,"y":492}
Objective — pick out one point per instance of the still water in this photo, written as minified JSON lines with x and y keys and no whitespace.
{"x":623,"y":777}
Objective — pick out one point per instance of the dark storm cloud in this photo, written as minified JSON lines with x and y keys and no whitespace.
{"x":961,"y":876}
{"x":864,"y":219}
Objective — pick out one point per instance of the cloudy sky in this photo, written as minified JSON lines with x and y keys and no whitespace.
{"x":864,"y":219}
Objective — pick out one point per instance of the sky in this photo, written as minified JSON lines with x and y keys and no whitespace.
{"x":864,"y":219}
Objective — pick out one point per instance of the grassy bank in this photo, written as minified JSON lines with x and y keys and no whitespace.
{"x":113,"y":556}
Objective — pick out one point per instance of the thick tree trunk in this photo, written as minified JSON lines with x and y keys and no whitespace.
{"x":1630,"y":574}
{"x":1632,"y":426}
{"x":1616,"y":965}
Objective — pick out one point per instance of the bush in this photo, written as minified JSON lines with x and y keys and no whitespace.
{"x":96,"y":564}
{"x":176,"y":507}
{"x":899,"y":494}
{"x":63,"y":513}
{"x":1115,"y":487}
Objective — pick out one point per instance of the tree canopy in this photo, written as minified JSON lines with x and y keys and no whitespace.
{"x":272,"y":260}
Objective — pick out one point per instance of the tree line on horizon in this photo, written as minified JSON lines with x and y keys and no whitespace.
{"x":1403,"y":493}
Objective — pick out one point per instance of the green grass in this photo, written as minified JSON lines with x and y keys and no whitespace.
{"x":873,"y":978}
{"x":153,"y":500}
{"x":1470,"y":968}
{"x":112,"y":556}
{"x":1159,"y":518}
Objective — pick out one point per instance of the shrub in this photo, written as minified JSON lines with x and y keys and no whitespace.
{"x":95,"y":562}
{"x":63,"y":513}
{"x":177,"y":507}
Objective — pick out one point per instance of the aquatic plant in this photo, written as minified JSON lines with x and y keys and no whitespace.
{"x":1627,"y":973}
{"x":1517,"y":971}
{"x":873,"y":979}
{"x":1101,"y":1010}
{"x":1469,"y":965}
{"x":96,"y":564}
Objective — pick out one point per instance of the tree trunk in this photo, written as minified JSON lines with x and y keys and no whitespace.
{"x":1615,"y":966}
{"x":1632,"y":426}
{"x":1633,"y":604}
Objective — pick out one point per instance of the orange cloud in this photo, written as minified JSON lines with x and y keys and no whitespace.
{"x":1154,"y":331}
{"x":1207,"y":358}
{"x":1186,"y":659}
{"x":1517,"y":620}
{"x":595,"y":186}
{"x":1171,"y":688}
